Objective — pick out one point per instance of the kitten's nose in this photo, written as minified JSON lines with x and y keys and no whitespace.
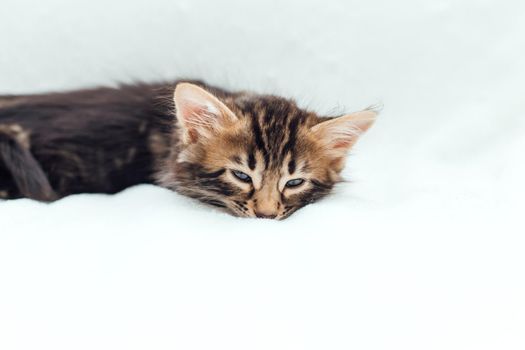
{"x":265,"y":215}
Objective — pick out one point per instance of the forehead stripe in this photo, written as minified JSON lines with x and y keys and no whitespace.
{"x":251,"y":161}
{"x":259,"y":142}
{"x":292,"y":132}
{"x":256,"y":128}
{"x":291,"y":166}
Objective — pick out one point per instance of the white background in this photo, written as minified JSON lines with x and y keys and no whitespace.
{"x":422,"y":249}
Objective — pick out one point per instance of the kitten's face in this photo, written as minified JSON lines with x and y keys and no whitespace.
{"x":256,"y":156}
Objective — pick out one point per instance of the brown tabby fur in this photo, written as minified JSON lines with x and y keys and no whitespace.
{"x":107,"y":139}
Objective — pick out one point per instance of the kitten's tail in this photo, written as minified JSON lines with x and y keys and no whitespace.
{"x":28,"y":176}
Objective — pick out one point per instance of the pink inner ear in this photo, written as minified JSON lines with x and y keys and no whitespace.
{"x":342,"y":144}
{"x":193,"y":135}
{"x":189,"y":114}
{"x":190,"y":111}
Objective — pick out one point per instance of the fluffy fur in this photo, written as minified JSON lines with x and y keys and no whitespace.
{"x":252,"y":155}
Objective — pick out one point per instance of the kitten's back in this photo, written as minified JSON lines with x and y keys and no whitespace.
{"x":93,"y":140}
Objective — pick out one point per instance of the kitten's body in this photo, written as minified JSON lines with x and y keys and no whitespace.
{"x":99,"y":140}
{"x":104,"y":140}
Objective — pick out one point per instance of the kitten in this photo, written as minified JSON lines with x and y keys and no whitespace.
{"x":252,"y":155}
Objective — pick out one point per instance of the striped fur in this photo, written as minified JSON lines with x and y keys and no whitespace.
{"x":104,"y":140}
{"x":270,"y":139}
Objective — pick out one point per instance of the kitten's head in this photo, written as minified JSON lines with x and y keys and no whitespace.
{"x":256,"y":155}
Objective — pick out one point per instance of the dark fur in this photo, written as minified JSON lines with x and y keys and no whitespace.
{"x":16,"y":161}
{"x":99,"y":140}
{"x":272,"y":129}
{"x":107,"y":139}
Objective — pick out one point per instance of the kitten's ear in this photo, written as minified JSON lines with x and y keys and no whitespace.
{"x":339,"y":134}
{"x":199,"y":113}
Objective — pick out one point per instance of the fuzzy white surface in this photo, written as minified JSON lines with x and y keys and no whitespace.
{"x":424,"y":249}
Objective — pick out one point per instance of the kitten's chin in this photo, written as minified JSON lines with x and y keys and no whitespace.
{"x":243,"y":213}
{"x":252,"y":215}
{"x":236,"y":210}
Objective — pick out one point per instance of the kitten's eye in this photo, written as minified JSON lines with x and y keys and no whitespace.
{"x":294,"y":183}
{"x":242,"y":176}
